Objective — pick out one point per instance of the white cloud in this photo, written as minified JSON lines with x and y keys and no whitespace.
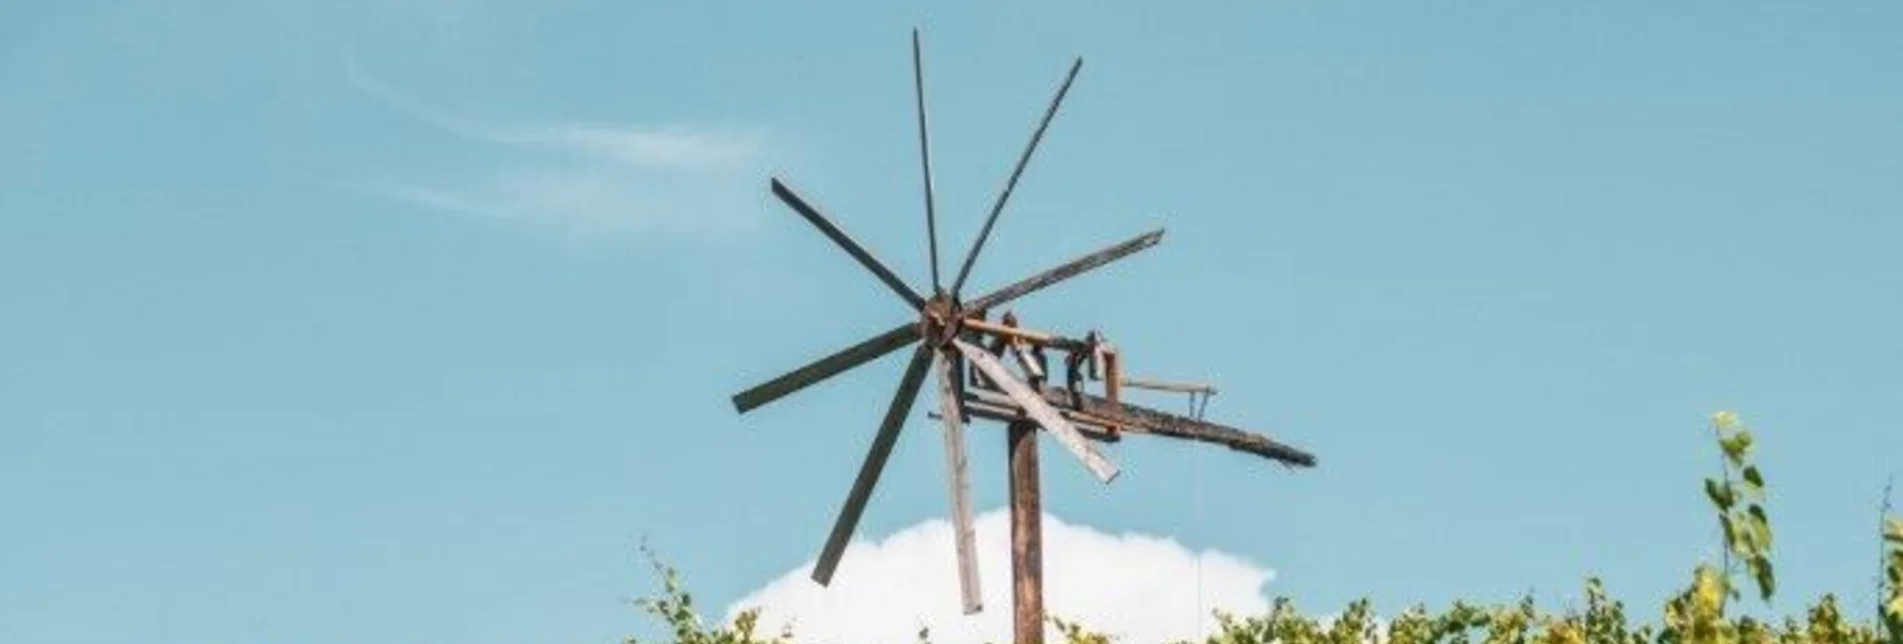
{"x":582,"y":176}
{"x":1140,"y":589}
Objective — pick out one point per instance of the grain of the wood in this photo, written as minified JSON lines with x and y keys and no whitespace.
{"x":959,"y":483}
{"x":826,"y":367}
{"x":978,"y":244}
{"x":1065,"y":271}
{"x":876,"y":456}
{"x":1039,"y":410}
{"x":1027,"y":535}
{"x":851,"y":246}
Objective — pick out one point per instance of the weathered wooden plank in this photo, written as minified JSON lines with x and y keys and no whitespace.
{"x":1028,"y":361}
{"x":1095,"y":413}
{"x":1027,"y":535}
{"x":1017,"y":171}
{"x":826,"y":367}
{"x":1039,"y":410}
{"x":1112,"y":379}
{"x":1177,"y":387}
{"x":1065,"y":271}
{"x":925,"y":158}
{"x":1039,"y":338}
{"x":960,"y":484}
{"x":850,"y":245}
{"x":875,"y":463}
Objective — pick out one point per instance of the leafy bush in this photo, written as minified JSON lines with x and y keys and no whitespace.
{"x":1696,"y":615}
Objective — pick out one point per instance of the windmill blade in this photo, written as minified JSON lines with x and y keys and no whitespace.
{"x":875,"y":462}
{"x":826,"y":367}
{"x":1012,"y":183}
{"x":1039,"y":410}
{"x":952,"y":418}
{"x":925,"y":158}
{"x":852,"y":247}
{"x":1066,"y":271}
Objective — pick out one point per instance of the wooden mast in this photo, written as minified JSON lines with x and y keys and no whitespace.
{"x":1027,"y":535}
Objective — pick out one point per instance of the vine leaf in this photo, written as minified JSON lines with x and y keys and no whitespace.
{"x":1737,"y":446}
{"x":1720,"y":494}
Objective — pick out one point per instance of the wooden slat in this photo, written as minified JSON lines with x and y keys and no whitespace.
{"x":1095,"y":415}
{"x":1177,"y":387}
{"x":960,"y":484}
{"x":1065,"y":271}
{"x":1017,"y":171}
{"x":1040,"y":411}
{"x":925,"y":158}
{"x":1039,"y":338}
{"x":875,"y":463}
{"x":1027,"y":361}
{"x":826,"y":367}
{"x":850,"y":245}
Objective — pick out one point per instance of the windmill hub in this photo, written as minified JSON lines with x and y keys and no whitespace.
{"x":939,"y":320}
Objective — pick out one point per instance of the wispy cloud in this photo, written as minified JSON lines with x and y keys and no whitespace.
{"x":587,"y":177}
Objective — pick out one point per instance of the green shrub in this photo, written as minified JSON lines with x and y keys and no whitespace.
{"x":1696,"y":615}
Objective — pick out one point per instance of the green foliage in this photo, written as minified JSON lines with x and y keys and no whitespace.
{"x":675,"y":608}
{"x":1738,"y":496}
{"x":1892,"y":608}
{"x":1075,"y":633}
{"x":1696,"y":615}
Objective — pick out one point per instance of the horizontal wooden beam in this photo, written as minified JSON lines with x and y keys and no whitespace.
{"x":1039,"y":338}
{"x":1098,"y":415}
{"x":1178,"y":387}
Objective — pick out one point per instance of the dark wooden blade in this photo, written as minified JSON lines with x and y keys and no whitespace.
{"x":852,"y":247}
{"x":1039,"y":410}
{"x":1012,"y":183}
{"x":875,"y":462}
{"x":1066,"y":271}
{"x":1092,"y":411}
{"x":925,"y":158}
{"x":826,"y":367}
{"x":959,"y":482}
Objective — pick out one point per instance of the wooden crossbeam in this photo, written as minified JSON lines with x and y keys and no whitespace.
{"x":1039,"y":338}
{"x":1177,"y":387}
{"x":1094,"y":416}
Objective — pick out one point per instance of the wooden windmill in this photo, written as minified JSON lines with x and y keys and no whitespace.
{"x":953,"y":332}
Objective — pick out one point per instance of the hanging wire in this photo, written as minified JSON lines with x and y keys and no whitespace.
{"x":1196,"y":505}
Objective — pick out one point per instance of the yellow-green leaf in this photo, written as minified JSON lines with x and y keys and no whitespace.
{"x":1760,"y":525}
{"x":1736,"y":446}
{"x":1725,"y":420}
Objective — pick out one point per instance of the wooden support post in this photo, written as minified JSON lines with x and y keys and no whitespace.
{"x":1027,"y":536}
{"x":1113,"y":379}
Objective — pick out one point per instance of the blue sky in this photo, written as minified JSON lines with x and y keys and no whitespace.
{"x":404,"y":321}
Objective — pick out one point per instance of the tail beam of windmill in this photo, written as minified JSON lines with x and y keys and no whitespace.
{"x":966,"y":353}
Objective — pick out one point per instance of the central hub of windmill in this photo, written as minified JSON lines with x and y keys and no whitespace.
{"x":939,"y":320}
{"x":951,"y":333}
